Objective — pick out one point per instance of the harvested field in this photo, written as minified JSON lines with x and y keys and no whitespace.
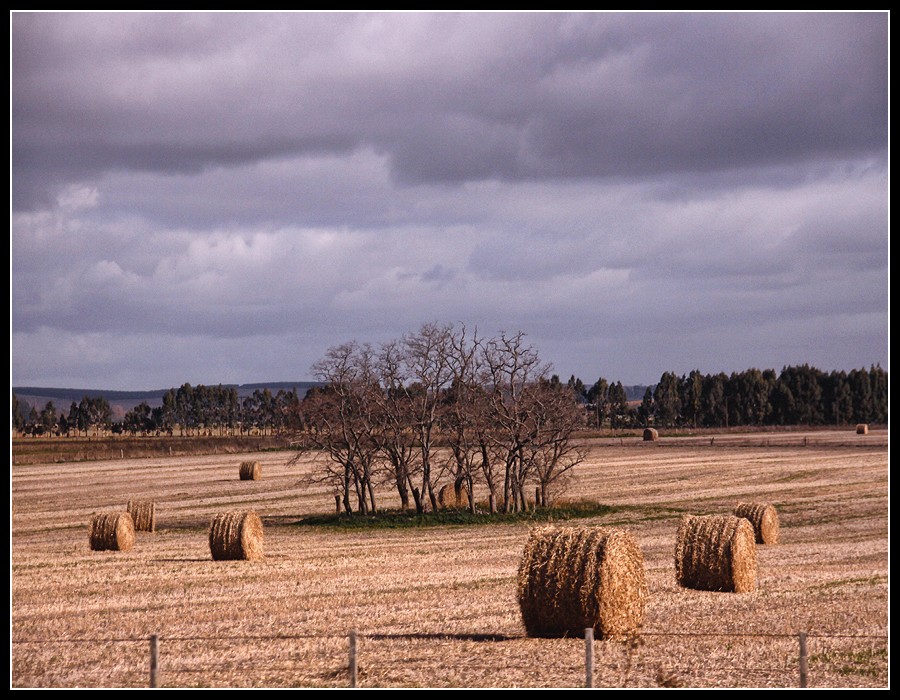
{"x":437,"y":606}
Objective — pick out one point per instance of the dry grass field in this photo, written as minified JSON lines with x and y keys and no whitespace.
{"x":436,"y":606}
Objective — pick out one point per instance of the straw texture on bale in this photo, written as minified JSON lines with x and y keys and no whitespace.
{"x":574,"y":578}
{"x":651,"y":435}
{"x":764,"y":519}
{"x":143,"y":513}
{"x":862,"y":429}
{"x":112,"y":531}
{"x":451,"y":497}
{"x":251,"y":471}
{"x":716,"y":553}
{"x":236,"y":535}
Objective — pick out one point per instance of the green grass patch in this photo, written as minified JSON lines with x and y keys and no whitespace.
{"x":863,"y":581}
{"x":394,"y":519}
{"x":870,"y":662}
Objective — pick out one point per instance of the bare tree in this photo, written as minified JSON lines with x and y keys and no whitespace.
{"x":426,"y":356}
{"x":510,"y":367}
{"x":556,"y":416}
{"x":396,"y":437}
{"x":340,"y":420}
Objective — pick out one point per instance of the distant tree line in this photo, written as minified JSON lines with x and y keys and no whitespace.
{"x":440,"y":405}
{"x":91,"y":413}
{"x":798,"y":395}
{"x":199,"y":410}
{"x":192,"y":410}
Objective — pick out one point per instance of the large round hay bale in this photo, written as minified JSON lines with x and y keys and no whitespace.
{"x":236,"y":535}
{"x":112,"y":531}
{"x":445,"y":496}
{"x":716,"y":553}
{"x":251,"y":471}
{"x":574,"y":578}
{"x":651,"y":435}
{"x":862,"y":429}
{"x":143,"y":513}
{"x":764,"y":519}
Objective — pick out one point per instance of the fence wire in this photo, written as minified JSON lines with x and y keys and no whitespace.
{"x":691,"y":659}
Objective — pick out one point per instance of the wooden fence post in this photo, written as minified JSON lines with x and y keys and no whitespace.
{"x":337,"y":503}
{"x":154,"y":661}
{"x":589,"y":657}
{"x":352,"y":658}
{"x":804,"y":661}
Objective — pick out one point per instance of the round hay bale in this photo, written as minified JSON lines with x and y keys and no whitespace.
{"x":143,"y":513}
{"x":716,"y":553}
{"x":236,"y":535}
{"x":862,"y":429}
{"x":651,"y":435}
{"x":461,"y":492}
{"x":251,"y":471}
{"x":764,"y":519}
{"x":449,"y":496}
{"x":574,"y":578}
{"x":112,"y":531}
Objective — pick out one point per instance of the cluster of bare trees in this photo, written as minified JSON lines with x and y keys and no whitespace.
{"x":441,"y":405}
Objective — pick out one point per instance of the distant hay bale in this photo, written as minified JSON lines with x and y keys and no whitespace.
{"x":112,"y":531}
{"x":651,"y":435}
{"x":764,"y":519}
{"x":862,"y":429}
{"x":251,"y":471}
{"x":449,"y":496}
{"x":143,"y":513}
{"x":574,"y":578}
{"x":236,"y":535}
{"x":445,"y":495}
{"x":716,"y":553}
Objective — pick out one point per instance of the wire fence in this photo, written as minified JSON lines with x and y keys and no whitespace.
{"x":650,"y":659}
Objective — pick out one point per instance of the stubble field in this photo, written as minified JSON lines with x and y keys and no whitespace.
{"x":436,"y":606}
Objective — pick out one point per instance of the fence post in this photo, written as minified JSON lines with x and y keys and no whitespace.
{"x":804,"y":661}
{"x":589,"y":657}
{"x":154,"y":661}
{"x":337,"y":503}
{"x":352,"y":658}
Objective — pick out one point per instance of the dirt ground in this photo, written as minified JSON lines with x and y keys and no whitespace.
{"x":436,"y":606}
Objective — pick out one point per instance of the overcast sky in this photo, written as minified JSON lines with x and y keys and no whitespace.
{"x":218,"y":198}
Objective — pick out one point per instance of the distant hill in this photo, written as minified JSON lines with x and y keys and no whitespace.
{"x":120,"y":402}
{"x":636,"y":392}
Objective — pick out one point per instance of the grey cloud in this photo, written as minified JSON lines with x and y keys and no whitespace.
{"x":512,"y":97}
{"x":638,"y":192}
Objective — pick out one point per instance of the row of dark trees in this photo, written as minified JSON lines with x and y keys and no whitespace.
{"x":440,"y":404}
{"x":207,"y":409}
{"x":799,"y":395}
{"x":191,"y":410}
{"x":91,"y":413}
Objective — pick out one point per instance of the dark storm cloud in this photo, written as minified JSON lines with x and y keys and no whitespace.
{"x":446,"y":97}
{"x":220,"y":197}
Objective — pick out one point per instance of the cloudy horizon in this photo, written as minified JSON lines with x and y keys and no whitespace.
{"x":220,"y":197}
